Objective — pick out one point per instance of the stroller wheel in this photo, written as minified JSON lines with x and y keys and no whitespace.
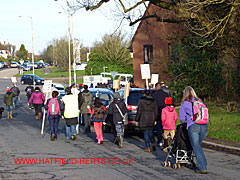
{"x":175,"y":166}
{"x":165,"y":164}
{"x":169,"y":164}
{"x":178,"y":165}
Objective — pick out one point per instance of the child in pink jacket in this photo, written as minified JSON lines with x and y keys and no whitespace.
{"x":169,"y":119}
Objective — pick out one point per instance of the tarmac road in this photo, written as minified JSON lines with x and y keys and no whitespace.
{"x":20,"y":138}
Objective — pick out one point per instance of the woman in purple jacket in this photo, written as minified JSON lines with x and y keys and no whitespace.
{"x":38,"y":100}
{"x":196,"y":132}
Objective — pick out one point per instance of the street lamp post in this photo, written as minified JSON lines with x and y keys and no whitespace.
{"x":104,"y":69}
{"x":34,"y":83}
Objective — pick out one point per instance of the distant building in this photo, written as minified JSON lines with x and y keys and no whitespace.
{"x":151,"y":45}
{"x":29,"y":56}
{"x":7,"y":50}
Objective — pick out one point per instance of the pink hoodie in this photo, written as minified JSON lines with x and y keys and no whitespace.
{"x":169,"y":118}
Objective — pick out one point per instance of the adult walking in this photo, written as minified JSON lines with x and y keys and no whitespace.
{"x":147,"y":112}
{"x":38,"y":99}
{"x":87,"y":99}
{"x":29,"y":90}
{"x":71,"y":112}
{"x":98,"y":111}
{"x":196,"y":132}
{"x":159,"y":95}
{"x":8,"y":101}
{"x":118,"y":105}
{"x":54,"y":108}
{"x":15,"y":90}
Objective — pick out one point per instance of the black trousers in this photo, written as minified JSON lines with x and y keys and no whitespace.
{"x":38,"y":108}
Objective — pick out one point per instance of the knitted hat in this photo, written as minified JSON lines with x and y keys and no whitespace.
{"x":80,"y":84}
{"x":8,"y":89}
{"x":168,"y":100}
{"x":116,"y":95}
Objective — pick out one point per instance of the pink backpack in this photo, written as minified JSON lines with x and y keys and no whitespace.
{"x":53,"y":107}
{"x":200,"y":112}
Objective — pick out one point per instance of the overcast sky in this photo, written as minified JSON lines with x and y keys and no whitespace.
{"x":49,"y":24}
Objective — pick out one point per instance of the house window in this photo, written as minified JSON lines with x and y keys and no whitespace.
{"x":148,"y":54}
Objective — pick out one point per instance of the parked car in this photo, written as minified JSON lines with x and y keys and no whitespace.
{"x":106,"y":96}
{"x":28,"y":79}
{"x":135,"y":94}
{"x":26,"y":67}
{"x":60,"y":89}
{"x":14,"y":64}
{"x":37,"y":65}
{"x":4,"y":64}
{"x":46,"y":64}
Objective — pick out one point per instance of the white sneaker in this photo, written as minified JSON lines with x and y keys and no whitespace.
{"x":160,"y":144}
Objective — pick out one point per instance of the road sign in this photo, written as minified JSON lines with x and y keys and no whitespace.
{"x":113,"y":73}
{"x":47,"y":87}
{"x":154,"y":78}
{"x":145,"y":71}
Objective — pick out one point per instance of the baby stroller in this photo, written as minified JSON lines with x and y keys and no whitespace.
{"x":180,"y":149}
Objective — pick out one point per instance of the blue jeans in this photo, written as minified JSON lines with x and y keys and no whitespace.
{"x":148,"y":137}
{"x":15,"y":99}
{"x":9,"y":108}
{"x":197,"y":134}
{"x":120,"y":129}
{"x":159,"y":130}
{"x":70,"y":131}
{"x":53,"y":123}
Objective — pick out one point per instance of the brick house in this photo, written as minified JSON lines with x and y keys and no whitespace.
{"x":151,"y":45}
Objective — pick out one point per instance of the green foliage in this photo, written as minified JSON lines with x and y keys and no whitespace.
{"x":111,"y":52}
{"x":198,"y":68}
{"x":22,"y":52}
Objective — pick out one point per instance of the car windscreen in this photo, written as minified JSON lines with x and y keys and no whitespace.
{"x":134,"y":97}
{"x":105,"y":97}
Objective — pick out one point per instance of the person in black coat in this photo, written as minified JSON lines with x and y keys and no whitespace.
{"x":159,"y":95}
{"x":117,"y":118}
{"x":147,"y":112}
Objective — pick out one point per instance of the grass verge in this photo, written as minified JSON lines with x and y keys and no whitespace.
{"x":224,"y":125}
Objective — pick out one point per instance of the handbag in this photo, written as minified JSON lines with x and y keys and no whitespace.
{"x":125,"y":121}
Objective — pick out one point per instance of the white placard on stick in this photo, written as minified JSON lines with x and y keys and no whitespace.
{"x":47,"y":87}
{"x":13,"y":79}
{"x":145,"y":71}
{"x":154,"y":78}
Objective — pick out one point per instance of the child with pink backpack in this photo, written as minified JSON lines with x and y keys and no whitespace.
{"x":169,"y":119}
{"x":54,"y":108}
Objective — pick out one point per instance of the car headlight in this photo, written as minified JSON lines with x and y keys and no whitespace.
{"x":38,"y":80}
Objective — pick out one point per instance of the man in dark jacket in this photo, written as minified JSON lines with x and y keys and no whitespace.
{"x":159,"y":96}
{"x":29,"y":90}
{"x":87,"y":99}
{"x":147,"y":112}
{"x":117,"y":117}
{"x":8,"y":101}
{"x":15,"y":90}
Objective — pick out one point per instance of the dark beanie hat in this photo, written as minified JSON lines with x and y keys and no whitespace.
{"x":116,"y":95}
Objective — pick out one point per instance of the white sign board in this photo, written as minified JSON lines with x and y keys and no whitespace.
{"x":14,"y":79}
{"x":47,"y":87}
{"x":154,"y":78}
{"x":113,"y":73}
{"x":145,"y":71}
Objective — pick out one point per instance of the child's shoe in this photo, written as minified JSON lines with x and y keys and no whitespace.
{"x":99,"y":141}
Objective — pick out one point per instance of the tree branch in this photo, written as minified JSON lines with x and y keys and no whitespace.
{"x":97,"y":6}
{"x":159,"y":19}
{"x":131,"y":8}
